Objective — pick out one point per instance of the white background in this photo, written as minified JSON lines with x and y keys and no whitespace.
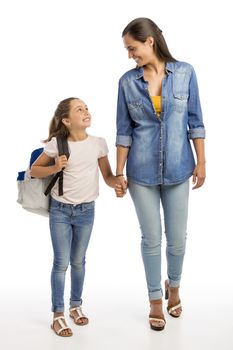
{"x":51,"y":50}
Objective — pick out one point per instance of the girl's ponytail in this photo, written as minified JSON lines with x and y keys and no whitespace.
{"x":56,"y":126}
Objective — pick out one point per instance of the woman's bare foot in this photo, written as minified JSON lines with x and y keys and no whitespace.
{"x":156,"y":317}
{"x":174,"y":305}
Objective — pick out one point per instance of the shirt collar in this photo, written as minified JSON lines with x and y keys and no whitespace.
{"x":169,"y":68}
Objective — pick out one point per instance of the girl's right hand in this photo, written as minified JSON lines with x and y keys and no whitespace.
{"x":60,"y":163}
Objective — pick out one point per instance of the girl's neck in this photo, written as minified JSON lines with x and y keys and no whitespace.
{"x":77,"y":135}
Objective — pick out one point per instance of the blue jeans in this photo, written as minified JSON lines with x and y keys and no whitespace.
{"x":70,"y":228}
{"x":174,"y":200}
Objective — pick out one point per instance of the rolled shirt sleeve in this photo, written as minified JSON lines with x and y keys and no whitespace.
{"x":195,"y":121}
{"x":124,"y":121}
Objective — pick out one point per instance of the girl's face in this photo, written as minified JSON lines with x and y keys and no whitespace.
{"x":79,"y":116}
{"x":142,"y":53}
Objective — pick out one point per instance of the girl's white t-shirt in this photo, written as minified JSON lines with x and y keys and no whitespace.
{"x":81,"y":176}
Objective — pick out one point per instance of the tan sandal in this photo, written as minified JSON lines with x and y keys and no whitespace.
{"x":172,"y":309}
{"x":79,"y":317}
{"x":63,"y":326}
{"x":156,"y":323}
{"x":160,"y":323}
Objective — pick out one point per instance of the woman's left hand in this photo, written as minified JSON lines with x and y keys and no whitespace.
{"x":199,"y":175}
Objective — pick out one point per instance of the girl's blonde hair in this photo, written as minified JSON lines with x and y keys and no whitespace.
{"x":56,"y":126}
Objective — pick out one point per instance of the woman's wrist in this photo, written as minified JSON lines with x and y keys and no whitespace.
{"x":201,"y":162}
{"x":118,"y":175}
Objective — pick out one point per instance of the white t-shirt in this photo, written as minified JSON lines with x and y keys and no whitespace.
{"x":81,"y":176}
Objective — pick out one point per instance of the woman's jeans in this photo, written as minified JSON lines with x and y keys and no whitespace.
{"x":70,"y":227}
{"x":174,"y":200}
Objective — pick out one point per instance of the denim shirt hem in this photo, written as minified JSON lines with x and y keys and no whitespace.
{"x":165,"y":183}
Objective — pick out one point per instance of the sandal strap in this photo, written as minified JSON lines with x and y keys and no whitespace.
{"x":154,"y":319}
{"x":174,"y":308}
{"x":61,"y":324}
{"x":79,"y":312}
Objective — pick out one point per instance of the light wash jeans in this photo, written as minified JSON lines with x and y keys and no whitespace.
{"x":70,"y":228}
{"x":174,"y":200}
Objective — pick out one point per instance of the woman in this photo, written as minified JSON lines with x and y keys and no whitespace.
{"x":158,"y":113}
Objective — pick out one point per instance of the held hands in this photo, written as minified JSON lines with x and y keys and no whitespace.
{"x":199,"y":175}
{"x":121,"y":186}
{"x":60,"y":163}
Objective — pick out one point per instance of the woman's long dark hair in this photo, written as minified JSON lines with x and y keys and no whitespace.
{"x":141,"y":28}
{"x":56,"y":126}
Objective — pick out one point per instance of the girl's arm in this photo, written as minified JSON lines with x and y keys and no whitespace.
{"x":199,"y":173}
{"x":109,"y":178}
{"x":106,"y":171}
{"x":44,"y":166}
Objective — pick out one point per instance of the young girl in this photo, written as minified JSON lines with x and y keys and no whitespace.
{"x":71,"y":215}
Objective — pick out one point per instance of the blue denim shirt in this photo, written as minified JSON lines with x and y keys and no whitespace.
{"x":159,"y":147}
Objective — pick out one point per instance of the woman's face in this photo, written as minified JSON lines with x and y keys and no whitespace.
{"x":142,"y":53}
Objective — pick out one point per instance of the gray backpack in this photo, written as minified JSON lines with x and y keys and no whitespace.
{"x":33,"y":193}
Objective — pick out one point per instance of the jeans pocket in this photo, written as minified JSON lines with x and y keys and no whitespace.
{"x":54,"y":205}
{"x":88,"y":206}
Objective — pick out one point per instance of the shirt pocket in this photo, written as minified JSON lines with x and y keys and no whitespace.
{"x":136,"y":110}
{"x":180,"y":92}
{"x":180,"y":101}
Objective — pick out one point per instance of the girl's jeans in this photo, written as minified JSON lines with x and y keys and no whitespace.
{"x":174,"y":200}
{"x":70,"y":228}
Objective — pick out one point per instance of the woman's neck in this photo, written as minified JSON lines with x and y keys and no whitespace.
{"x":155,"y":66}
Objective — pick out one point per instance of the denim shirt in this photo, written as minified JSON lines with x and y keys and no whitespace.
{"x":159,"y":147}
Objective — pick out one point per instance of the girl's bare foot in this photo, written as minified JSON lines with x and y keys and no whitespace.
{"x":78,"y":316}
{"x":59,"y":325}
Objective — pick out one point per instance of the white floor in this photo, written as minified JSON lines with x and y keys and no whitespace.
{"x":119,"y":323}
{"x":115,"y":297}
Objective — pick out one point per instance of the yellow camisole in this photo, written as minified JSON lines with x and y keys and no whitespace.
{"x":157,"y":102}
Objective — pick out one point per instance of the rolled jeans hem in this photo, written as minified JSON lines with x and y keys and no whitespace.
{"x":174,"y":284}
{"x":156,"y":295}
{"x":57,"y":309}
{"x":75,"y":303}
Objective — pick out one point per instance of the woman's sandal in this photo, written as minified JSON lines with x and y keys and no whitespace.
{"x":172,"y":309}
{"x":63,"y":326}
{"x":79,"y":317}
{"x":156,"y":323}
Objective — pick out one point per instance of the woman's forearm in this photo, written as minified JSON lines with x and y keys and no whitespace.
{"x":122,"y":155}
{"x":199,"y":145}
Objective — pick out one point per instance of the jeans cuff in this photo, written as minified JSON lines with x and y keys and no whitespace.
{"x":57,"y":309}
{"x":173,"y":284}
{"x":75,"y":303}
{"x":156,"y":295}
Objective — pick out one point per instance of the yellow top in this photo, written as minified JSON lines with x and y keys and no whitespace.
{"x":157,"y":102}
